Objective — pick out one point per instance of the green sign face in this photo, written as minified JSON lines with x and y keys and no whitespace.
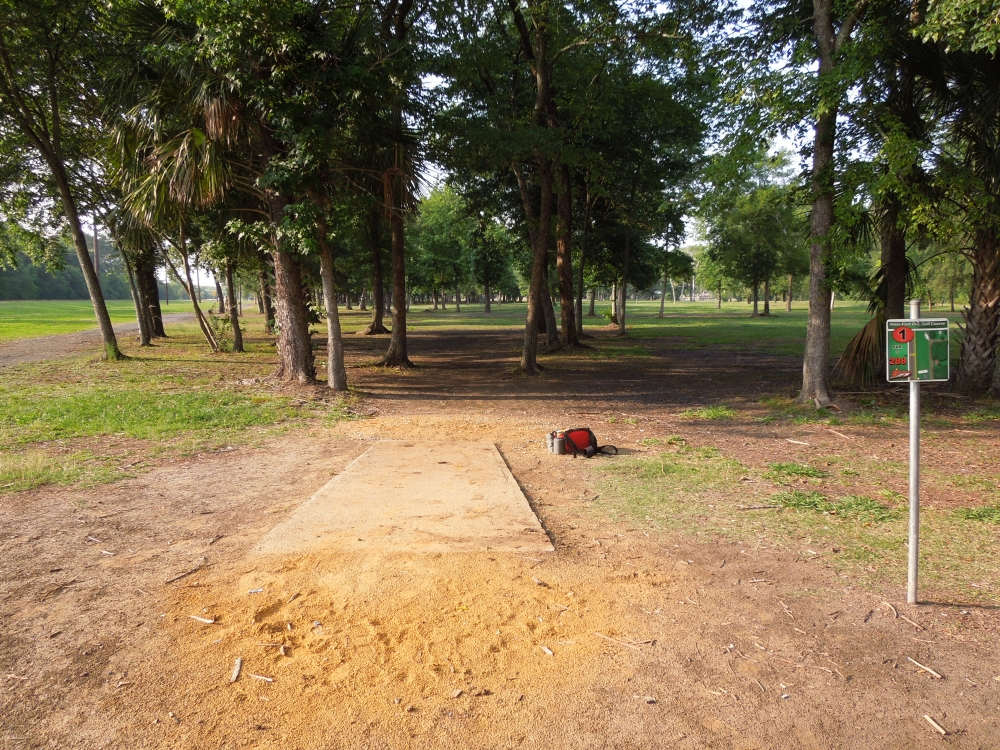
{"x":917,"y":350}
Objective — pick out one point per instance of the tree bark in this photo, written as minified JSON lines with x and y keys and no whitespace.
{"x":268,"y":303}
{"x":486,"y":297}
{"x":234,"y":311}
{"x":377,"y":326}
{"x":397,"y":356}
{"x":623,"y":291}
{"x":336,"y":372}
{"x":110,"y":341}
{"x":816,"y":362}
{"x":564,"y":258}
{"x":788,"y":302}
{"x":663,"y":296}
{"x":538,"y":233}
{"x":140,"y":316}
{"x":295,"y":356}
{"x":894,"y":258}
{"x":584,"y":236}
{"x":718,"y":304}
{"x":593,"y":298}
{"x":551,"y":325}
{"x":756,"y":288}
{"x":145,"y":273}
{"x":977,"y":359}
{"x":458,"y":304}
{"x":219,"y":295}
{"x":767,"y":296}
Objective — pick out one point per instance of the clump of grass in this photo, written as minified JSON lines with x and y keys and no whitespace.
{"x":852,"y":506}
{"x":783,"y":471}
{"x":614,"y":352}
{"x":23,"y":471}
{"x":720,"y":412}
{"x":986,"y":514}
{"x":651,"y":441}
{"x":981,"y":416}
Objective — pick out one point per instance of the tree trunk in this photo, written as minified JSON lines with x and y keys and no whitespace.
{"x":219,"y":295}
{"x":593,"y":298}
{"x":583,"y":259}
{"x":234,"y":312}
{"x":673,"y":292}
{"x":976,"y":363}
{"x":538,"y":232}
{"x":718,"y":304}
{"x":564,"y":258}
{"x":140,"y":315}
{"x":149,"y":288}
{"x":377,"y":326}
{"x":295,"y":356}
{"x":436,"y":296}
{"x":110,"y":341}
{"x":362,"y":302}
{"x":260,"y":301}
{"x":893,"y":258}
{"x":396,"y":356}
{"x":551,"y":325}
{"x":767,"y":296}
{"x":188,"y":286}
{"x":663,"y":296}
{"x":788,"y":302}
{"x":265,"y":295}
{"x":623,"y":291}
{"x":336,"y":372}
{"x":486,"y":299}
{"x":458,"y":305}
{"x":816,"y":362}
{"x":756,"y":287}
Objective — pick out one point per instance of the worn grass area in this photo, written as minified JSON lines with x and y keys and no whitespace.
{"x":83,"y":421}
{"x":28,"y":319}
{"x":718,"y":412}
{"x":700,"y":492}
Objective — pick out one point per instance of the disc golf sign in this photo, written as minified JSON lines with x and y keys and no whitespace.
{"x":917,"y":350}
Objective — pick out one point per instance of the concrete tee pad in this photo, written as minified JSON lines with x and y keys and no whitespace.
{"x":401,"y":496}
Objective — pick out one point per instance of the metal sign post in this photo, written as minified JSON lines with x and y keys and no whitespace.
{"x":916,"y":350}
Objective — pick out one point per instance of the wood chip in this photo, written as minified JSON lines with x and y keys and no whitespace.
{"x":457,"y":693}
{"x":547,"y":650}
{"x":797,"y":442}
{"x":202,"y":619}
{"x":937,"y":726}
{"x":195,"y":569}
{"x":236,"y":669}
{"x":929,"y":671}
{"x":261,"y":677}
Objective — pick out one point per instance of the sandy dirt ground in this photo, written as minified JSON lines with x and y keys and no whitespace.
{"x":621,"y":638}
{"x":63,"y":345}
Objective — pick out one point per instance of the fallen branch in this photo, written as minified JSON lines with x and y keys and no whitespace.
{"x":195,"y":569}
{"x":929,"y":671}
{"x":758,"y":507}
{"x":918,"y":627}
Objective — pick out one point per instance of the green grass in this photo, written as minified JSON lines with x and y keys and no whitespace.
{"x":28,"y":319}
{"x":706,"y":495}
{"x":718,"y":412}
{"x":81,"y":421}
{"x":782,"y":471}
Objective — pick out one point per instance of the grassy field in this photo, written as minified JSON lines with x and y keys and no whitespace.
{"x":693,"y":325}
{"x":28,"y":319}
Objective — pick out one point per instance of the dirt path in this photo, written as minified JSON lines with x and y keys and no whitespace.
{"x":64,"y":345}
{"x":623,"y":638}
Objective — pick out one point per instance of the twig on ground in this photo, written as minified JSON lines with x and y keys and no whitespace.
{"x":758,"y":507}
{"x":261,"y":677}
{"x":918,"y":627}
{"x":202,"y":619}
{"x":195,"y":569}
{"x":928,"y":670}
{"x":620,"y":643}
{"x":937,"y":726}
{"x":895,"y":614}
{"x":787,"y":610}
{"x":236,"y":669}
{"x":838,"y":434}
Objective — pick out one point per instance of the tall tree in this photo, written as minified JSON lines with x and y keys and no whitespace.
{"x":51,"y":56}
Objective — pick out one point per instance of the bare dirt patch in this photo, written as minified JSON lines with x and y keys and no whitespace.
{"x":702,"y":642}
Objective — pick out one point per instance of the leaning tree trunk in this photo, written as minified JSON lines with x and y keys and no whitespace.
{"x":396,"y":356}
{"x":234,"y":310}
{"x":977,"y":359}
{"x":111,"y":350}
{"x":295,"y":356}
{"x":549,"y":311}
{"x":336,"y":372}
{"x":188,"y":285}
